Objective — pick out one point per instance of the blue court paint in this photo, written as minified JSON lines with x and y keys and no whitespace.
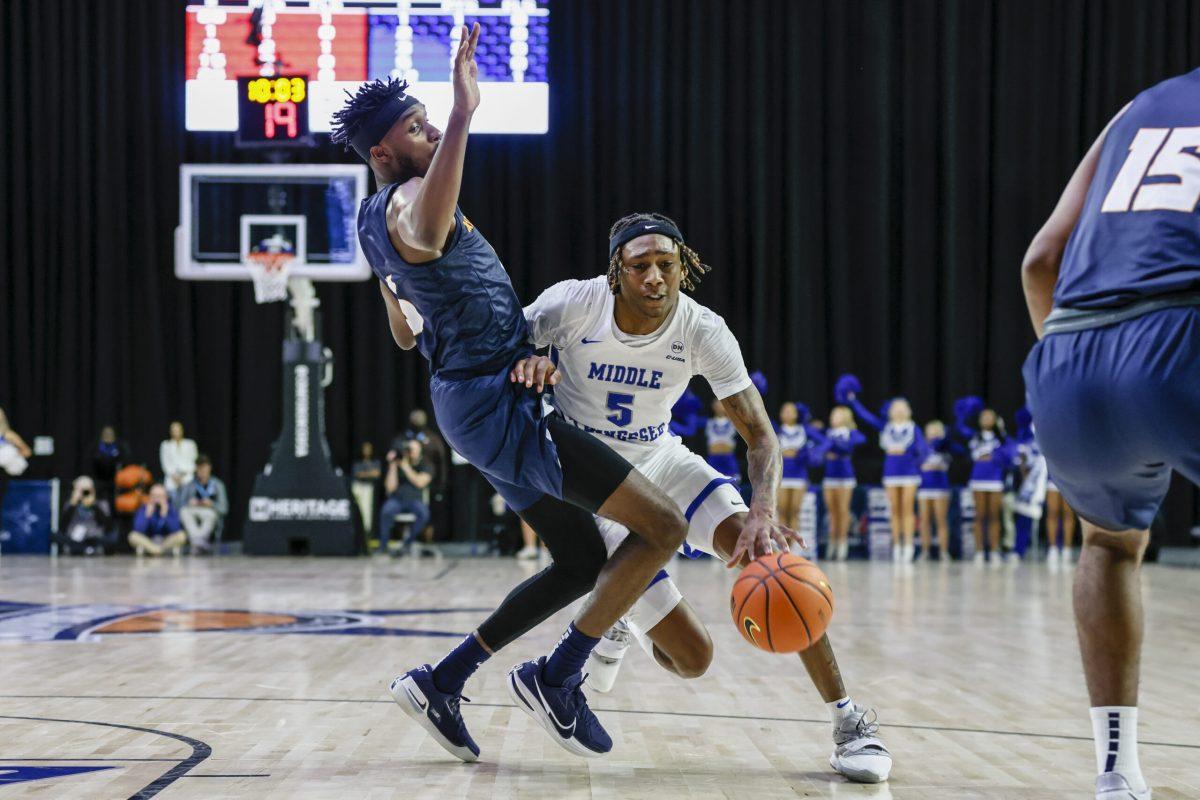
{"x":25,"y":774}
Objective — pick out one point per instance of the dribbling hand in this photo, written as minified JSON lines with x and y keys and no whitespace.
{"x":535,"y":371}
{"x":761,"y":535}
{"x":466,"y":71}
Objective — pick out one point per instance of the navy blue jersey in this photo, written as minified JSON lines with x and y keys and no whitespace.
{"x":1138,"y":234}
{"x":473,"y":320}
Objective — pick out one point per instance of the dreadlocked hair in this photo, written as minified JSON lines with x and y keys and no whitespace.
{"x":693,"y":267}
{"x":369,"y":98}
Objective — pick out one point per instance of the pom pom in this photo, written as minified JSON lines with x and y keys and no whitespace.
{"x":759,"y":380}
{"x":687,"y":406}
{"x":966,"y":409}
{"x":845,"y":386}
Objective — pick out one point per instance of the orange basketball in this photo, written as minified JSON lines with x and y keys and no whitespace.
{"x":782,"y":603}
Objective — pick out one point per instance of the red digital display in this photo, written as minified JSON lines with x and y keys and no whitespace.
{"x":279,"y":120}
{"x":273,"y":111}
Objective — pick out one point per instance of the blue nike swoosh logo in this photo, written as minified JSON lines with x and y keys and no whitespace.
{"x":843,"y":705}
{"x":586,"y":340}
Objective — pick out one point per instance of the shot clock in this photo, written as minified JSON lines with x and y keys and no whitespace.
{"x":273,"y":112}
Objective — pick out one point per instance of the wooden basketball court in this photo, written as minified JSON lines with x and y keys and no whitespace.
{"x":263,"y":678}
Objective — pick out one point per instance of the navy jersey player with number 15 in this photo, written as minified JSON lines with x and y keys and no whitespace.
{"x":1113,"y":287}
{"x":447,"y":293}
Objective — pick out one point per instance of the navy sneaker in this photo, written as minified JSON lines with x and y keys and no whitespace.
{"x":435,"y":711}
{"x":562,"y":710}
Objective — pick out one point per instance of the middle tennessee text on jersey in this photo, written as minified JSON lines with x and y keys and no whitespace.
{"x":621,"y":386}
{"x":627,"y":375}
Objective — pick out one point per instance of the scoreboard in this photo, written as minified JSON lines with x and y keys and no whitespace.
{"x":273,"y":112}
{"x":332,"y":46}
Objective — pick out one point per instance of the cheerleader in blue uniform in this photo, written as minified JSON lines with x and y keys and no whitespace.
{"x":722,"y":443}
{"x":795,"y":443}
{"x":841,"y":438}
{"x":933,"y":495}
{"x":990,"y":456}
{"x":904,"y":450}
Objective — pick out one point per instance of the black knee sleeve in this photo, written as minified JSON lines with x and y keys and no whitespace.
{"x":577,"y":548}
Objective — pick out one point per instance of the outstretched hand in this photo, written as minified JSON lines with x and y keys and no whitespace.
{"x":533,"y":371}
{"x":761,"y":535}
{"x":466,"y":71}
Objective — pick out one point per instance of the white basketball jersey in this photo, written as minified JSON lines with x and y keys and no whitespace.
{"x":620,"y":387}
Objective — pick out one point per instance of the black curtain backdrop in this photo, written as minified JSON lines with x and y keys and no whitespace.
{"x":864,"y":176}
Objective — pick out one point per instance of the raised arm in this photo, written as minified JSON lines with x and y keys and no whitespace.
{"x":426,"y":218}
{"x":15,"y":439}
{"x":1039,"y":269}
{"x":765,"y":466}
{"x":920,"y":447}
{"x":862,"y":413}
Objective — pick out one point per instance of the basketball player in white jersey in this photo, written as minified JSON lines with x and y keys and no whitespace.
{"x":628,"y":343}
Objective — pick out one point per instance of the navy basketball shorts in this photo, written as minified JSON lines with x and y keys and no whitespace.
{"x":501,"y":428}
{"x":1117,"y":409}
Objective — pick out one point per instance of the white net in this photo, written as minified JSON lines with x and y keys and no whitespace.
{"x":269,"y":272}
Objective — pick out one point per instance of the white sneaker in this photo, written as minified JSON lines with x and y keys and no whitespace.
{"x":1013,"y":558}
{"x":844,"y":551}
{"x":527,"y":553}
{"x":1113,"y":786}
{"x":910,"y":552}
{"x":605,"y":661}
{"x":1068,"y":555}
{"x":897,"y":553}
{"x":1053,"y":557}
{"x":978,"y":559}
{"x":858,"y":753}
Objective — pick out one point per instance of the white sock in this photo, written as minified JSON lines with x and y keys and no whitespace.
{"x":1114,"y":729}
{"x":839,"y":710}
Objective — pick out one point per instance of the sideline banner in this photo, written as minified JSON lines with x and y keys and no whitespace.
{"x":29,"y":514}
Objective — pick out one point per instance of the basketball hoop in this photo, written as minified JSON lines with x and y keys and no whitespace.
{"x":269,"y":272}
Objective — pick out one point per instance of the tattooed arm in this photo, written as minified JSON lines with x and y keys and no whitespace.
{"x":765,"y":465}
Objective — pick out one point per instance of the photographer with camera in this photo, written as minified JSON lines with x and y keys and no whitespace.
{"x":86,"y":524}
{"x":407,"y":478}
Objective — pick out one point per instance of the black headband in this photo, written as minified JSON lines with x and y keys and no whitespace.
{"x":372,"y":131}
{"x":643,"y":228}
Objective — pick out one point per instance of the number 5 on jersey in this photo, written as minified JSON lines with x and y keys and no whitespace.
{"x":622,"y":407}
{"x":1171,"y":156}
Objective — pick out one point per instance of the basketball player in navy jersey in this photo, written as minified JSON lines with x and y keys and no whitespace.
{"x":628,"y":342}
{"x":447,"y":293}
{"x":1113,"y":286}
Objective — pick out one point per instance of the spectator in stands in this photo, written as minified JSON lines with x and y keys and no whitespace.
{"x":178,"y":458}
{"x":205,"y":504}
{"x":436,"y":454}
{"x":367,"y":472}
{"x":108,"y":456}
{"x":156,"y":527}
{"x":86,"y":524}
{"x":408,"y":477}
